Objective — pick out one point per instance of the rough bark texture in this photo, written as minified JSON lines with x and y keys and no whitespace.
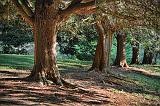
{"x":121,"y":51}
{"x":45,"y":21}
{"x":45,"y":29}
{"x":101,"y":58}
{"x":135,"y":54}
{"x":148,"y":57}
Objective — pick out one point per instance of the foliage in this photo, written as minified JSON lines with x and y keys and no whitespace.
{"x":78,"y":37}
{"x":149,"y":39}
{"x":14,"y":36}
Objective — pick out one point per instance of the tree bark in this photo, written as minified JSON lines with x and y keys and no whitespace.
{"x":148,"y":56}
{"x":135,"y":53}
{"x":45,"y":33}
{"x":102,"y":54}
{"x":155,"y":58}
{"x":45,"y":21}
{"x":121,"y":51}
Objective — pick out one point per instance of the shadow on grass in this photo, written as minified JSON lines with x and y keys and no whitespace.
{"x":24,"y":93}
{"x":131,"y":81}
{"x":134,"y":81}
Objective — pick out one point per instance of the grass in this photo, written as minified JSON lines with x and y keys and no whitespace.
{"x":149,"y":84}
{"x":16,"y":61}
{"x":12,"y":61}
{"x":151,"y":68}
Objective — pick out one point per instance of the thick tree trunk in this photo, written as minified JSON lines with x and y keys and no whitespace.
{"x":102,"y":54}
{"x":148,"y":57}
{"x":135,"y":54}
{"x":45,"y":28}
{"x":121,"y":51}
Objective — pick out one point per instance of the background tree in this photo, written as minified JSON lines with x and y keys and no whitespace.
{"x":149,"y":40}
{"x":121,"y":50}
{"x":135,"y":52}
{"x":127,"y":14}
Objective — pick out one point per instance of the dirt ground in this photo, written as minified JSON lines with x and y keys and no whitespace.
{"x":95,"y":89}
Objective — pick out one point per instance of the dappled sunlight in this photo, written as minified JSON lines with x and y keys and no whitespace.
{"x":16,"y":91}
{"x":94,"y":88}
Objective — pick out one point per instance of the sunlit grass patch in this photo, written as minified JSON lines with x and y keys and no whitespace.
{"x":12,"y":61}
{"x":16,"y":61}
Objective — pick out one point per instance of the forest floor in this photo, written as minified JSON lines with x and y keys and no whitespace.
{"x":122,"y":87}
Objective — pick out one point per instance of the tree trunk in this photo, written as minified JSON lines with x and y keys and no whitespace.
{"x":135,"y":54}
{"x":155,"y":58}
{"x":148,"y":56}
{"x":102,"y":54}
{"x":121,"y":51}
{"x":45,"y":30}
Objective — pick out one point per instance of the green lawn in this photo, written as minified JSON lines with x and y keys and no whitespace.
{"x":16,"y":61}
{"x":12,"y":61}
{"x":147,"y":83}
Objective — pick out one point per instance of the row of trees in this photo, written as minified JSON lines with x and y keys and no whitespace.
{"x":122,"y":15}
{"x":79,"y":38}
{"x":46,"y":17}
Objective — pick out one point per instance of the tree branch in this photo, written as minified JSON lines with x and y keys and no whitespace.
{"x":79,"y":8}
{"x":26,"y":7}
{"x":21,"y":11}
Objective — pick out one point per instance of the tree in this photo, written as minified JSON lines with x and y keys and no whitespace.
{"x":45,"y":21}
{"x":126,"y":14}
{"x":135,"y":52}
{"x":121,"y":50}
{"x":101,"y":60}
{"x":149,"y":40}
{"x":148,"y":56}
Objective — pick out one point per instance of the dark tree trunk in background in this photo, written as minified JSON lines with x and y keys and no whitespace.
{"x":45,"y":30}
{"x":121,"y":50}
{"x":102,"y":54}
{"x":135,"y":53}
{"x":148,"y":56}
{"x":155,"y":58}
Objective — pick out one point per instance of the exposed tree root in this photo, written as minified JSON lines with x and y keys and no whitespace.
{"x":68,"y":85}
{"x":64,"y":84}
{"x":76,"y":88}
{"x":105,"y":70}
{"x":45,"y":81}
